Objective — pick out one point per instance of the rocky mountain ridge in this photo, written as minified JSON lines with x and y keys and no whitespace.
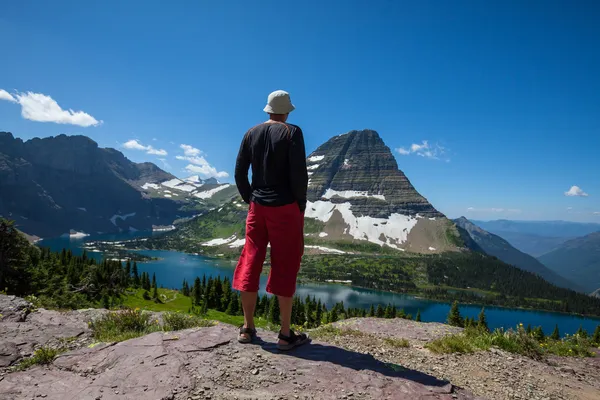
{"x":68,"y":184}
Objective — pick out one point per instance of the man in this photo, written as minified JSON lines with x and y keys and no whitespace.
{"x":277,"y":199}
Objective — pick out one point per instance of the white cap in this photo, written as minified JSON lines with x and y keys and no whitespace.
{"x":279,"y":103}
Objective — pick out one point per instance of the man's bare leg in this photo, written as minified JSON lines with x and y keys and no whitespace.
{"x":248,"y":305}
{"x":285,"y":313}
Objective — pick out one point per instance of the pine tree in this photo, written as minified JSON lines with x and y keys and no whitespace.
{"x":300,"y":315}
{"x":232,"y":307}
{"x":372,"y":311}
{"x":226,"y":296}
{"x":154,"y":280}
{"x":538,"y":334}
{"x":319,"y":314}
{"x":401,"y":313}
{"x":482,"y":321}
{"x":333,"y":315}
{"x":197,"y":292}
{"x":418,"y":318}
{"x":128,"y":272}
{"x":379,"y":313}
{"x":582,"y":332}
{"x":388,"y":312}
{"x":274,"y":310}
{"x":136,"y":277}
{"x":155,"y":293}
{"x":204,"y":308}
{"x":183,"y":287}
{"x":596,"y":337}
{"x":454,"y":317}
{"x":556,"y":334}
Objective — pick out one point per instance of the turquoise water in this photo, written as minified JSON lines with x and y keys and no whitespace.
{"x":173,"y":267}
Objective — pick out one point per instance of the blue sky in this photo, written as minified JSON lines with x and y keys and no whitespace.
{"x":506,"y":93}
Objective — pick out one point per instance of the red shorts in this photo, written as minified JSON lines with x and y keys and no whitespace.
{"x":283,"y":227}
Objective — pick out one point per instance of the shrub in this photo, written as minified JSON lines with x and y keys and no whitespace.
{"x":175,"y":321}
{"x":42,"y":356}
{"x":401,"y":343}
{"x":122,"y":325}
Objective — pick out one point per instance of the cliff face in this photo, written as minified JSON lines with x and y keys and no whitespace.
{"x":359,"y":168}
{"x":357,"y":191}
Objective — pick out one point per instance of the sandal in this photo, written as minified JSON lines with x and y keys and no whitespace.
{"x":251,"y":332}
{"x":293,"y":340}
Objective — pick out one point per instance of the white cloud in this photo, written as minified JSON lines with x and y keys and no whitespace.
{"x":424,"y":149}
{"x":199,"y":164}
{"x":596,"y":213}
{"x":569,"y":208}
{"x":42,"y":108}
{"x":4,"y":95}
{"x":134,"y":144}
{"x":190,"y":151}
{"x":207,"y":171}
{"x":576,"y":191}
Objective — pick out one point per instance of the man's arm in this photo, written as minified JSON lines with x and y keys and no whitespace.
{"x":242,"y":164}
{"x":298,"y":172}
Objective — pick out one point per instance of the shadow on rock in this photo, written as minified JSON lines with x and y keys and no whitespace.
{"x":320,"y":352}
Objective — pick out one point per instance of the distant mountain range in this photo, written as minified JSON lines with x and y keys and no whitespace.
{"x":498,"y":247}
{"x":68,"y":185}
{"x":596,"y":293}
{"x":537,"y":237}
{"x":579,"y":259}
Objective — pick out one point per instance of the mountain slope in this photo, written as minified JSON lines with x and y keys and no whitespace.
{"x":57,"y":184}
{"x":579,"y":259}
{"x":498,"y":247}
{"x":596,"y":293}
{"x":537,"y":237}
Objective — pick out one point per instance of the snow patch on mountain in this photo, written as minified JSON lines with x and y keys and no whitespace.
{"x":348,"y":194}
{"x":394,"y":229}
{"x":314,"y":166}
{"x":172,"y":183}
{"x":325,"y":249}
{"x":315,"y":158}
{"x":237,"y":243}
{"x":219,"y":241}
{"x":113,"y":219}
{"x":75,"y":235}
{"x":147,"y":186}
{"x":209,"y":193}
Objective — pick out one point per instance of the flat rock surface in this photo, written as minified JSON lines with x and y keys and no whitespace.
{"x":398,"y":328}
{"x":209,"y":363}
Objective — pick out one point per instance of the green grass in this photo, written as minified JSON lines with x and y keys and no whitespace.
{"x":172,"y":300}
{"x":513,"y":341}
{"x":330,"y":330}
{"x":42,"y":356}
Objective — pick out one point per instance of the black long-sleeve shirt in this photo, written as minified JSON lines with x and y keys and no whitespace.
{"x":278,"y":158}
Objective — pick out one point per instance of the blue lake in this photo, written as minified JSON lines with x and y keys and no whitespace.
{"x":173,"y":267}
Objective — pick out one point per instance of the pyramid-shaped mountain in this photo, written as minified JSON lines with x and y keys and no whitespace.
{"x":357,"y":191}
